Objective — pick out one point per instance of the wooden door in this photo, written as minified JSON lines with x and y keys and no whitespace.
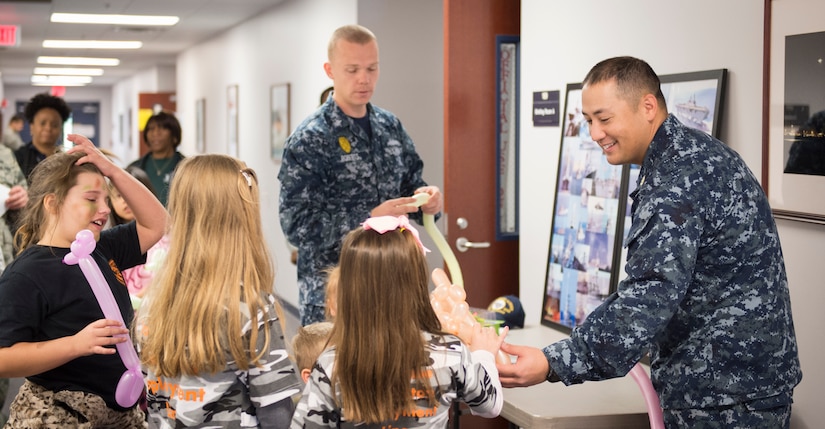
{"x":471,"y":27}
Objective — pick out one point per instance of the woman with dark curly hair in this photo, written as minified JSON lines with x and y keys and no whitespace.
{"x":46,"y":115}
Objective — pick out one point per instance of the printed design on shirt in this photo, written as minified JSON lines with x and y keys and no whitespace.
{"x":117,"y":272}
{"x":174,"y":390}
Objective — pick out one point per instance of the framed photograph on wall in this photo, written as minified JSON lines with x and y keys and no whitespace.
{"x":587,"y":224}
{"x":232,"y":120}
{"x":696,"y":98}
{"x":278,"y":120}
{"x":793,"y":113}
{"x":507,"y":117}
{"x":200,"y":125}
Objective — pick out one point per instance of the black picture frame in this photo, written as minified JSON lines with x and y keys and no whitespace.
{"x":793,"y":33}
{"x":507,"y":137}
{"x":591,"y":211}
{"x":585,"y":235}
{"x":279,"y":119}
{"x":697,"y":99}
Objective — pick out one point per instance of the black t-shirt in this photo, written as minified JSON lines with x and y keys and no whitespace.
{"x":41,"y":299}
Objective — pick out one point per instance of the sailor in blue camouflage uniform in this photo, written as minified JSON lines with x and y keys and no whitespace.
{"x":706,"y":292}
{"x":347,"y":161}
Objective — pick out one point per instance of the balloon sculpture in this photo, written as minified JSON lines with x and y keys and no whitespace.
{"x":449,"y":300}
{"x":654,"y":410}
{"x":130,"y":385}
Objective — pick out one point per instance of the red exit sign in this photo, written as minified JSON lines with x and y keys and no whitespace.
{"x":9,"y":35}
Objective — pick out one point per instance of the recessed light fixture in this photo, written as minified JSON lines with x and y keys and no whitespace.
{"x":94,"y":18}
{"x":68,"y":71}
{"x":78,"y":61}
{"x":92,"y":44}
{"x":58,"y":84}
{"x":61,"y":80}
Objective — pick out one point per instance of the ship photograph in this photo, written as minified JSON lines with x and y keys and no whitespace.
{"x":692,"y":102}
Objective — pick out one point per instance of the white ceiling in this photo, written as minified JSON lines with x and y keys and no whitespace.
{"x":199,"y":20}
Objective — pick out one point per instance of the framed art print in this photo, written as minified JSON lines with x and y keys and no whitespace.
{"x":587,"y":224}
{"x":507,"y":117}
{"x":232,"y":120}
{"x":696,"y":98}
{"x":200,"y":125}
{"x":793,"y":112}
{"x":279,"y":120}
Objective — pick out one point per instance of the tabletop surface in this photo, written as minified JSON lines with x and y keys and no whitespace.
{"x":616,"y":403}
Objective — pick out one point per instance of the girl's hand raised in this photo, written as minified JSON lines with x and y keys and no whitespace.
{"x":93,"y":154}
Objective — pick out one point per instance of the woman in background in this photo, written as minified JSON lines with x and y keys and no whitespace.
{"x":162,"y":135}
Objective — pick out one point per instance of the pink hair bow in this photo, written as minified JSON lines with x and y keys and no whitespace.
{"x":382,"y":224}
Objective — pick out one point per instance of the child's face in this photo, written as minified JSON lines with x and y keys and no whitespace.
{"x":85,"y":207}
{"x":119,"y":206}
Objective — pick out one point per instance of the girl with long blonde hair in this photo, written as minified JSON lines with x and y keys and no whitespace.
{"x":210,"y":332}
{"x":389,"y":364}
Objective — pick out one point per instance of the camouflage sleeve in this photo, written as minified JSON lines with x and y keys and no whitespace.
{"x":414,"y":175}
{"x":316,"y":409}
{"x":662,"y":250}
{"x":481,"y":385}
{"x":413,"y":168}
{"x":274,"y":385}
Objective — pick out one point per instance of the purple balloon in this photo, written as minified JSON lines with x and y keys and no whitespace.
{"x":130,"y":385}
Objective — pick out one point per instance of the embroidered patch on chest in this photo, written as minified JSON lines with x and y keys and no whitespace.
{"x":345,"y":144}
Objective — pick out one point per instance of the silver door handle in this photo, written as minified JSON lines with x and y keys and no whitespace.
{"x":462,"y":244}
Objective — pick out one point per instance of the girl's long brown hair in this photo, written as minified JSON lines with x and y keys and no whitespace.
{"x":383,"y":305}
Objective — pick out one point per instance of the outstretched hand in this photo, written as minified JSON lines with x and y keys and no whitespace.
{"x":486,"y":338}
{"x":94,"y":338}
{"x":530,"y":368}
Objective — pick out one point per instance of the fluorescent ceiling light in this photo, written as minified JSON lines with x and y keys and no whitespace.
{"x":61,"y":80}
{"x":58,"y":84}
{"x":92,"y":44}
{"x":68,"y":71}
{"x":89,"y":18}
{"x":78,"y":61}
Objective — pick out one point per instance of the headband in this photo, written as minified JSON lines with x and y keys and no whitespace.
{"x":382,"y":224}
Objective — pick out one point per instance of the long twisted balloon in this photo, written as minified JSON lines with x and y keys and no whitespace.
{"x":130,"y":385}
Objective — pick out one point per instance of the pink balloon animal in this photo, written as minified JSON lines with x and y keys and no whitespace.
{"x":130,"y":385}
{"x":654,"y":410}
{"x":450,"y":305}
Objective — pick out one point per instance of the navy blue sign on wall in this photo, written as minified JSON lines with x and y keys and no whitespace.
{"x":546,"y":109}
